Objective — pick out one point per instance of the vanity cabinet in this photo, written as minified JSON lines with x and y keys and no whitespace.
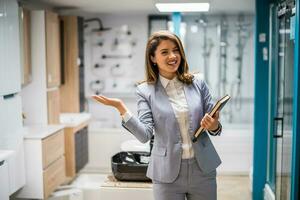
{"x":45,"y":161}
{"x":4,"y":181}
{"x":76,"y":147}
{"x":76,"y":141}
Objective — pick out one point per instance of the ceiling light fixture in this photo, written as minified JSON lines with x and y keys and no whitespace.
{"x":182,"y":7}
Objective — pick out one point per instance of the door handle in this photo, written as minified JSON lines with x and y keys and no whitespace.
{"x":9,"y":96}
{"x":276,"y":121}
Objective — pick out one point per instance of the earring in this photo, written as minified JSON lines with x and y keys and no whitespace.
{"x":154,"y":64}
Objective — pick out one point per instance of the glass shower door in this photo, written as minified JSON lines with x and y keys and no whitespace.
{"x":280,"y":115}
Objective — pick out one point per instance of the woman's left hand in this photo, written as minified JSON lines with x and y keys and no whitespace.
{"x":210,"y":123}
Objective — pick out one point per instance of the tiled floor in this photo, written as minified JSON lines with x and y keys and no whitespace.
{"x":233,"y":188}
{"x":229,"y":187}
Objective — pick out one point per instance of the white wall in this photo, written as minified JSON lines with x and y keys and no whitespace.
{"x":235,"y":148}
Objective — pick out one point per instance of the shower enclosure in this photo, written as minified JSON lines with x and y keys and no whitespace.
{"x":281,"y":98}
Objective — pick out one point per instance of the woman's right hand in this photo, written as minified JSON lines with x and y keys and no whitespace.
{"x":114,"y":102}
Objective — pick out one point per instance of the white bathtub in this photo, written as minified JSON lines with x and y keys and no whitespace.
{"x":234,"y":147}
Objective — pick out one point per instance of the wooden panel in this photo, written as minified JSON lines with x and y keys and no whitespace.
{"x":26,"y":47}
{"x":70,"y":149}
{"x":53,"y":106}
{"x":69,"y":91}
{"x":53,"y":148}
{"x":52,"y":49}
{"x":53,"y":176}
{"x":70,"y":152}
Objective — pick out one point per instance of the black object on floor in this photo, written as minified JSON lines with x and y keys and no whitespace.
{"x":130,"y":166}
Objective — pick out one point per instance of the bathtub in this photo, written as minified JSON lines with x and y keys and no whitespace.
{"x":234,"y":147}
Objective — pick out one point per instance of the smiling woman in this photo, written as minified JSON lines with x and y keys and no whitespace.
{"x":167,"y":58}
{"x":173,"y":103}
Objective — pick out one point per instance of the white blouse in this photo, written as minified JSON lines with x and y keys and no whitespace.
{"x":175,"y":90}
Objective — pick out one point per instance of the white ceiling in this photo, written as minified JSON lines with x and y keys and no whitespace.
{"x":145,"y":6}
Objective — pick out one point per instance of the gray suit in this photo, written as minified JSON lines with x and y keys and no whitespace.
{"x":155,"y":114}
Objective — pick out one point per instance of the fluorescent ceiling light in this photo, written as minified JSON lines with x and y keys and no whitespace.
{"x":182,"y":7}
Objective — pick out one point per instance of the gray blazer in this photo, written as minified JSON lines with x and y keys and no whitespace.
{"x":156,"y":116}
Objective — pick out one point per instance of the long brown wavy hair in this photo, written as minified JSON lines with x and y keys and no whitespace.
{"x":152,"y":72}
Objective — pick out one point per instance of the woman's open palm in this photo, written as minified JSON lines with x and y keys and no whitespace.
{"x":107,"y":101}
{"x":114,"y":102}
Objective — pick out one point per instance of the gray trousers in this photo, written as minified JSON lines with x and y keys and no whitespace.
{"x":191,"y":184}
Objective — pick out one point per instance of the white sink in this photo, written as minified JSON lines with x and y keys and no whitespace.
{"x":74,"y":119}
{"x":135,"y":145}
{"x":4,"y":154}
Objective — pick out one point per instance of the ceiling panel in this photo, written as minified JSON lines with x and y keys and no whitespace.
{"x":145,"y":6}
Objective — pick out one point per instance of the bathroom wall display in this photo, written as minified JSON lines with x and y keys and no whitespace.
{"x":112,"y":56}
{"x":114,"y":63}
{"x":220,"y":47}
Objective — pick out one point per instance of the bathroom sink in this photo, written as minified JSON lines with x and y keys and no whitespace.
{"x":4,"y":154}
{"x":74,"y":119}
{"x":135,"y":145}
{"x":130,"y":166}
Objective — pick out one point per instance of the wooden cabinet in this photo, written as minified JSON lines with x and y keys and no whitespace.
{"x":76,"y":141}
{"x":52,"y":148}
{"x":53,"y":105}
{"x":45,"y":161}
{"x":53,"y":60}
{"x":45,"y":108}
{"x":53,"y":176}
{"x":25,"y":46}
{"x":69,"y":91}
{"x":53,"y":162}
{"x":72,"y":149}
{"x":52,"y":49}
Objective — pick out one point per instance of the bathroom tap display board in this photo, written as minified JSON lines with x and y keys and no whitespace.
{"x":114,"y":62}
{"x":114,"y":56}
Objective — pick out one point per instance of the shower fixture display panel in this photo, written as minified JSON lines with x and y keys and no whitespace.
{"x":112,"y":61}
{"x":220,"y":48}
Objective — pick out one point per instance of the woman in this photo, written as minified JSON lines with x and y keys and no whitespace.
{"x":173,"y":104}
